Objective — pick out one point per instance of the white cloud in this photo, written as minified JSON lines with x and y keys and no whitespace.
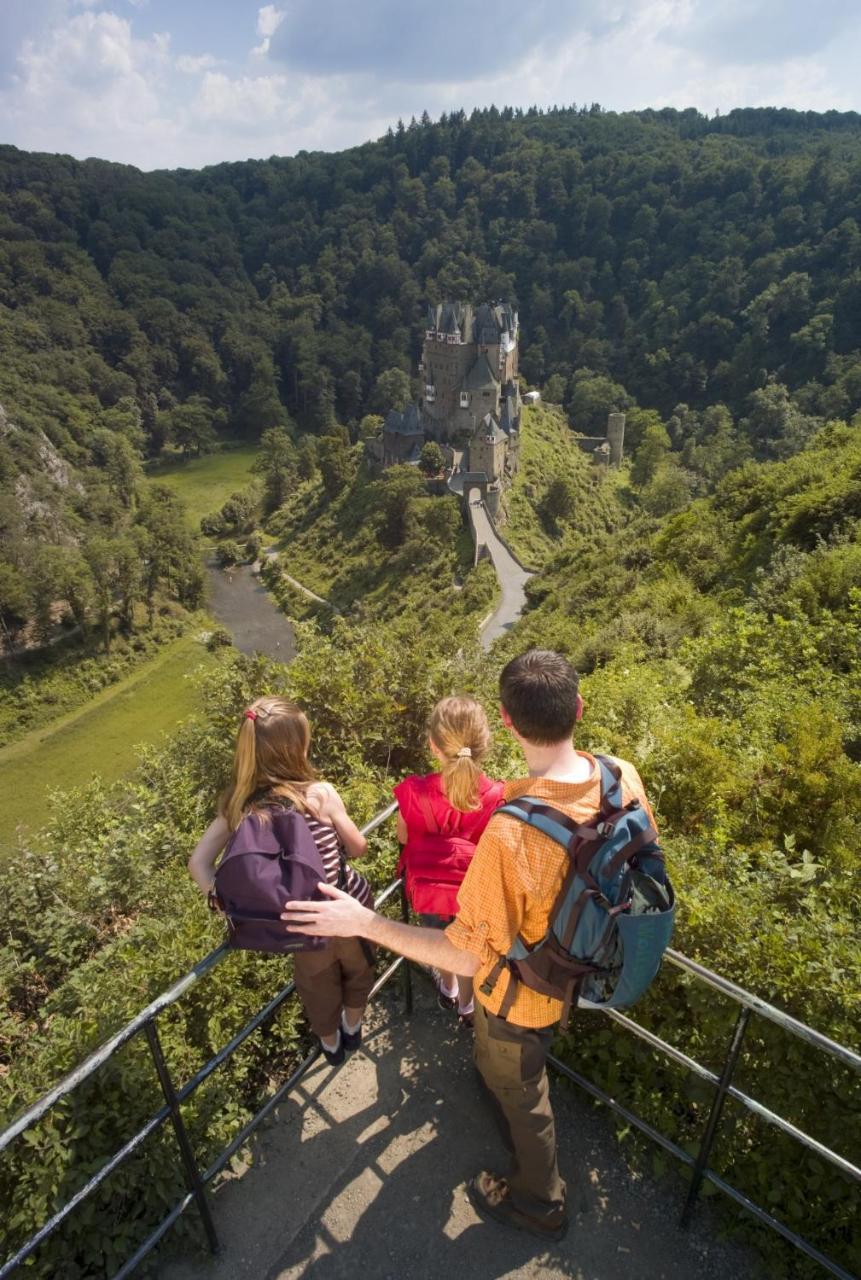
{"x":192,"y":65}
{"x":245,"y":101}
{"x":86,"y":81}
{"x":269,"y":19}
{"x":89,"y":82}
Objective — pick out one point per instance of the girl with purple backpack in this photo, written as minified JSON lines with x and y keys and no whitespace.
{"x":271,"y":775}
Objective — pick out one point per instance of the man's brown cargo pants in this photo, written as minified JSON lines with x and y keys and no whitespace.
{"x":512,"y":1063}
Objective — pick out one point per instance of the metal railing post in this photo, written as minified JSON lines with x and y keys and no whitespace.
{"x":701,"y":1162}
{"x":407,"y":968}
{"x":192,"y":1173}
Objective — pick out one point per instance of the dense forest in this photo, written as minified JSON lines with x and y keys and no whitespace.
{"x":702,"y":274}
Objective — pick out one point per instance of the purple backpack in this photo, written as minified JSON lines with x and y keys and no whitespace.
{"x":269,"y":861}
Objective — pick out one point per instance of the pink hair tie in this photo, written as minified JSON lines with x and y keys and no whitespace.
{"x":250,"y":715}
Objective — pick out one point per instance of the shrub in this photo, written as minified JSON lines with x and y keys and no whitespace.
{"x":230,"y":553}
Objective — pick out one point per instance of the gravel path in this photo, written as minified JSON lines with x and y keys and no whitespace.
{"x":362,"y":1174}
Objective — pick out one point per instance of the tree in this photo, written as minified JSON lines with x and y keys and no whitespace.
{"x":370,"y":426}
{"x":391,"y":391}
{"x":117,"y":574}
{"x":394,"y":491}
{"x":239,"y":511}
{"x":559,"y":501}
{"x":306,"y":458}
{"x":277,"y":464}
{"x":669,"y":488}
{"x":653,"y":449}
{"x":774,"y":425}
{"x":169,"y":556}
{"x":230,"y":553}
{"x":431,"y":459}
{"x":191,"y":425}
{"x":16,"y":603}
{"x":336,"y":464}
{"x":259,"y":408}
{"x":591,"y":397}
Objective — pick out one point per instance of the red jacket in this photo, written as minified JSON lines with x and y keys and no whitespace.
{"x":440,"y":840}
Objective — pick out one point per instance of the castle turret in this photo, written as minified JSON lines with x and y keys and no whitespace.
{"x":616,"y":437}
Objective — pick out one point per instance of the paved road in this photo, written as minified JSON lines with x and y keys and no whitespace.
{"x":362,"y":1175}
{"x":512,"y":579}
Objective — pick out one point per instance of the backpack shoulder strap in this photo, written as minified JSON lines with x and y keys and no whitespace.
{"x":612,"y":797}
{"x":553,"y":822}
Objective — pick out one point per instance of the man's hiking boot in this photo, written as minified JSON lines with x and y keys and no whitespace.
{"x":490,"y":1195}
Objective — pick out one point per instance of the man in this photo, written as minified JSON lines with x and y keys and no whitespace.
{"x":509,"y":890}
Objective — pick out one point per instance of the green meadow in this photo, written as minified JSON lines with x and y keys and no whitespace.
{"x":100,"y":738}
{"x":207,"y":482}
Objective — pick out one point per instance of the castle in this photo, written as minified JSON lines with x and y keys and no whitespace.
{"x":471,"y":403}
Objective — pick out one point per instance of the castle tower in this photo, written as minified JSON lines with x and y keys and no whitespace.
{"x":616,"y":437}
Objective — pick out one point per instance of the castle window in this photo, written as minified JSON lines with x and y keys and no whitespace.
{"x":464,"y":399}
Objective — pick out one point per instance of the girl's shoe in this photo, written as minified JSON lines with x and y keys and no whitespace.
{"x":350,"y":1040}
{"x":466,"y":1017}
{"x":443,"y":998}
{"x":334,"y":1057}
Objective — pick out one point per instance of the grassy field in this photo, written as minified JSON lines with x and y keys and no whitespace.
{"x":547,"y":451}
{"x":206,"y":483}
{"x":99,"y":738}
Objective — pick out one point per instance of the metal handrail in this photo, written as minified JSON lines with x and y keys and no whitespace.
{"x":146,"y":1021}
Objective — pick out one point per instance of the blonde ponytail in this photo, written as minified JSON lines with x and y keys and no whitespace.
{"x":459,"y":729}
{"x":271,"y":760}
{"x":244,"y":777}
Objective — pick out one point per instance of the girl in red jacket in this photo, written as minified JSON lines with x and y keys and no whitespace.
{"x":441,"y":818}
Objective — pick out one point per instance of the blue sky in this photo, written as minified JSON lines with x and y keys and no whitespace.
{"x":166,"y":83}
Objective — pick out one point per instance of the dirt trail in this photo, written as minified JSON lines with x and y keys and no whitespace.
{"x":362,"y":1174}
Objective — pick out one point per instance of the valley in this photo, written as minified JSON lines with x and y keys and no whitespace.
{"x":241,"y":345}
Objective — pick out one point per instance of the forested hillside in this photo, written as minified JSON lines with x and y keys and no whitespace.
{"x":702,"y":274}
{"x":709,"y":270}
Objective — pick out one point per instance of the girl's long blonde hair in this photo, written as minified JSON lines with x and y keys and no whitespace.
{"x":271,"y":759}
{"x":458,"y":728}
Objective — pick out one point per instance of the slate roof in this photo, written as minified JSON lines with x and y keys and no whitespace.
{"x":480,"y":376}
{"x":489,"y":427}
{"x":452,"y":317}
{"x":403,"y":424}
{"x":483,"y":325}
{"x":509,"y":417}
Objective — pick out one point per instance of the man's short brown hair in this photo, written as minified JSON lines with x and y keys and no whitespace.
{"x":539,"y":691}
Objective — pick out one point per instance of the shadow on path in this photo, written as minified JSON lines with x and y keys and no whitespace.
{"x":363,"y":1173}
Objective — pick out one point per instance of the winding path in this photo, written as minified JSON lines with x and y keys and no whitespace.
{"x":511,"y":577}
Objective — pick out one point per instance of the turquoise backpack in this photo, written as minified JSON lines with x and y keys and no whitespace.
{"x":613,"y":917}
